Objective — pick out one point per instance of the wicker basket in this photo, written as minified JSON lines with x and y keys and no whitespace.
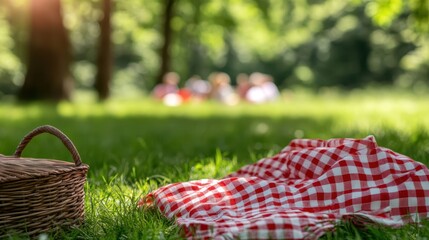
{"x":39,"y":195}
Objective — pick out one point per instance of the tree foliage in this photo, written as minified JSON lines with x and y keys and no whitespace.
{"x":309,"y":43}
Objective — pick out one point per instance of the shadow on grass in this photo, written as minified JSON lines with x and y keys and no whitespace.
{"x":141,"y":146}
{"x":153,"y":145}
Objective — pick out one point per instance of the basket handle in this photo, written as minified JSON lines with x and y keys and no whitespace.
{"x":54,"y":131}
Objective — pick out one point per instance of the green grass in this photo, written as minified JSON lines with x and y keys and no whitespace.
{"x":134,"y":146}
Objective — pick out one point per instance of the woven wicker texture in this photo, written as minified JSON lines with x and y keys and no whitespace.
{"x":39,"y":195}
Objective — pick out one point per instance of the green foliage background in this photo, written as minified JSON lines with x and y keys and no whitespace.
{"x":310,"y":43}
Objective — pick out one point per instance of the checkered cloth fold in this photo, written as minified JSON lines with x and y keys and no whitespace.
{"x":301,"y":193}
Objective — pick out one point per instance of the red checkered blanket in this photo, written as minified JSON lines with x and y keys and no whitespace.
{"x":301,"y":193}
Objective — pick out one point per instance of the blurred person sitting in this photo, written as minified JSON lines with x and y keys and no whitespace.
{"x":169,"y":84}
{"x":199,"y":88}
{"x":222,"y":90}
{"x":263,"y":89}
{"x":243,"y":85}
{"x":168,"y":90}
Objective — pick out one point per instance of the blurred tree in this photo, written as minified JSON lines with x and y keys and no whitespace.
{"x":10,"y":62}
{"x":384,"y":12}
{"x":202,"y":31}
{"x":310,"y":43}
{"x":193,"y":16}
{"x":167,"y":38}
{"x":105,"y":53}
{"x":48,"y":58}
{"x":137,"y":39}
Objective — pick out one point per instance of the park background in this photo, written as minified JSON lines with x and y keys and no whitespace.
{"x":125,"y":47}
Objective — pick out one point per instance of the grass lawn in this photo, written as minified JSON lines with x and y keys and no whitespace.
{"x":134,"y":146}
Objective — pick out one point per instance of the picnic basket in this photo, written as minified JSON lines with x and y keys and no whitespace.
{"x":40,"y":195}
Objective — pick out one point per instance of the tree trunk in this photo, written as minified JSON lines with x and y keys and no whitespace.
{"x":195,"y":61}
{"x":167,"y":33}
{"x":105,"y":53}
{"x":48,"y":59}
